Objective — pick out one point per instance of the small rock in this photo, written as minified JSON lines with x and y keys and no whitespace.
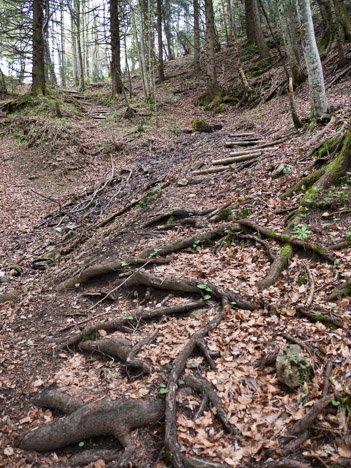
{"x":281,"y":170}
{"x":182,"y":182}
{"x":292,"y":367}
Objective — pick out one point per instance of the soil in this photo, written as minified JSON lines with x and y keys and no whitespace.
{"x":45,"y":205}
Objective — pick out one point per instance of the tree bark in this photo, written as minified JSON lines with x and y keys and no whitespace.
{"x":116,"y":82}
{"x":161,"y":72}
{"x":254,"y":28}
{"x":197,"y":66}
{"x":234,"y":43}
{"x":212,"y":84}
{"x":38,"y":71}
{"x":287,"y":12}
{"x":318,"y":99}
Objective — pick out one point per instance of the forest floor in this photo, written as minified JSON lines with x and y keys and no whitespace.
{"x":78,"y":192}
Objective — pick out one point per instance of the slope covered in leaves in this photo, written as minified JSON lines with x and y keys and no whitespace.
{"x":145,"y":167}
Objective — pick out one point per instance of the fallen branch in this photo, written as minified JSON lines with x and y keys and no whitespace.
{"x":101,"y":418}
{"x":259,"y":241}
{"x":309,"y":298}
{"x":244,"y":157}
{"x":230,"y":144}
{"x":212,"y":170}
{"x":176,"y":213}
{"x":319,"y":135}
{"x":131,"y":319}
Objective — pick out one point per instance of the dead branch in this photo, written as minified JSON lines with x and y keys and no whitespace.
{"x":176,"y":213}
{"x":309,"y":298}
{"x":207,"y":390}
{"x":244,"y":157}
{"x":212,"y":170}
{"x":101,"y":418}
{"x":319,"y":135}
{"x":295,"y":340}
{"x":119,"y":324}
{"x":285,"y":238}
{"x":268,"y":360}
{"x":171,"y":439}
{"x":230,"y":144}
{"x":105,"y":269}
{"x":244,"y":134}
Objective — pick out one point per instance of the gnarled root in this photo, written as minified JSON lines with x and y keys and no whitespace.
{"x":100,"y":418}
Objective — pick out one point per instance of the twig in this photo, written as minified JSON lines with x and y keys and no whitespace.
{"x":328,"y":371}
{"x":48,"y":198}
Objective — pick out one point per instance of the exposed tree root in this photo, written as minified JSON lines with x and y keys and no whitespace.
{"x":286,"y":463}
{"x":287,"y":239}
{"x":122,"y":349}
{"x":295,"y":443}
{"x":171,"y":439}
{"x":209,"y":394}
{"x":321,"y":315}
{"x":104,"y":269}
{"x":301,"y":425}
{"x":119,"y":324}
{"x":188,"y":286}
{"x":181,"y":244}
{"x":341,"y":291}
{"x":100,"y":418}
{"x":259,"y":241}
{"x":305,"y":182}
{"x":59,"y":401}
{"x":278,"y":266}
{"x":173,"y":215}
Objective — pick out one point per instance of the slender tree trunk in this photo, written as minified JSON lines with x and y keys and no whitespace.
{"x":227,"y":32}
{"x":74,"y":48}
{"x":161,"y":72}
{"x":212,"y":84}
{"x":259,"y":37}
{"x":117,"y":85}
{"x":287,"y":12}
{"x":343,"y":18}
{"x":250,"y":26}
{"x":49,"y":68}
{"x":336,"y":33}
{"x":38,"y":71}
{"x":197,"y":66}
{"x":167,"y":29}
{"x":234,"y":42}
{"x":62,"y":51}
{"x":318,"y":99}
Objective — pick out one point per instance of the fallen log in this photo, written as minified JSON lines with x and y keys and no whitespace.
{"x":243,"y":157}
{"x":230,"y":144}
{"x":212,"y":170}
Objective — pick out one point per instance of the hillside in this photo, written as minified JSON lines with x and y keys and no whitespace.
{"x":112,"y":230}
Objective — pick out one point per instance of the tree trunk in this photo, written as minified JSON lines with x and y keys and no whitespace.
{"x":287,"y":12}
{"x":197,"y":66}
{"x":255,"y":33}
{"x":62,"y":52}
{"x":335,"y":32}
{"x":117,"y":85}
{"x":212,"y":84}
{"x":161,"y":72}
{"x":343,"y":18}
{"x":38,"y":71}
{"x":49,"y":66}
{"x":167,"y":29}
{"x":318,"y":99}
{"x":234,"y":42}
